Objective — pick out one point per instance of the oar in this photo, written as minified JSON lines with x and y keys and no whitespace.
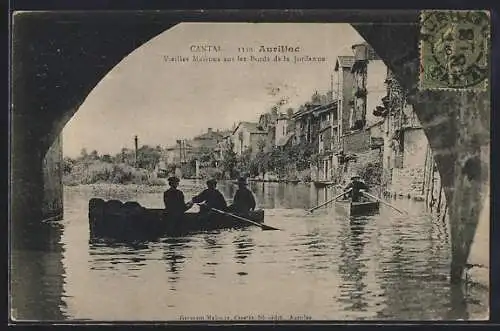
{"x":262,"y":226}
{"x":332,"y":199}
{"x":385,"y":203}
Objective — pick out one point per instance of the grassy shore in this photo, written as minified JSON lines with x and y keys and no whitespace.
{"x":106,"y":188}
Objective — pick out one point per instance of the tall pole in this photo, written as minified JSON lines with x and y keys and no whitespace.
{"x":183,"y":144}
{"x":136,"y":143}
{"x":180,"y":150}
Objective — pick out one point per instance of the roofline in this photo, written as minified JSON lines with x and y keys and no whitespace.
{"x":237,"y":126}
{"x":337,"y":62}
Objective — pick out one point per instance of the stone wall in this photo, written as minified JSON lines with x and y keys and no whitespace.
{"x":52,"y":207}
{"x":356,"y":142}
{"x":418,"y":178}
{"x":357,"y":166}
{"x":408,"y":180}
{"x":415,"y":148}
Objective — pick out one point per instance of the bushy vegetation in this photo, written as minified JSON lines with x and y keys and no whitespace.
{"x":371,"y":173}
{"x":119,"y":169}
{"x":282,"y":161}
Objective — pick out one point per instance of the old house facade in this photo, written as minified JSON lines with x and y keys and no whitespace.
{"x":361,"y":141}
{"x":326,"y":139}
{"x":284,"y":130}
{"x":247,"y":137}
{"x":408,"y":164}
{"x":345,"y":80}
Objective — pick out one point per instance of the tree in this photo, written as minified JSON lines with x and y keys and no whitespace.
{"x":206,"y":156}
{"x":94,"y":155}
{"x":261,"y":144}
{"x":83,"y":154}
{"x":229,"y":159}
{"x":68,"y":165}
{"x":148,"y":157}
{"x":260,"y":163}
{"x":107,"y":158}
{"x":240,"y":138}
{"x":278,"y":161}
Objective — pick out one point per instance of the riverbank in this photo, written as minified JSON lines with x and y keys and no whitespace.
{"x":109,"y":188}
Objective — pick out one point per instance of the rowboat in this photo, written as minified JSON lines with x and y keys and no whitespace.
{"x":130,"y":220}
{"x":357,"y":208}
{"x":322,"y":184}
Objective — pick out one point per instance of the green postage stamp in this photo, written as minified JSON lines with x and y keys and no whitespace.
{"x":454,"y":49}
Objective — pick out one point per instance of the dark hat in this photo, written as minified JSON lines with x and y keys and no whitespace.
{"x":242,"y":180}
{"x":211,"y":182}
{"x":173,"y":179}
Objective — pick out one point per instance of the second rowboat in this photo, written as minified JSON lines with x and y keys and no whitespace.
{"x":358,"y":208}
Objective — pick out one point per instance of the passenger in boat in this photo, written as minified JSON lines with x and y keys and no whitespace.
{"x":244,"y":200}
{"x":174,"y":198}
{"x":357,"y":187}
{"x":210,"y":197}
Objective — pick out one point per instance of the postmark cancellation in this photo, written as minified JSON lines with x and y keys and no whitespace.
{"x":454,"y":50}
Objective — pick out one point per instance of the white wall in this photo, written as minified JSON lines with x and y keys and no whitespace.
{"x":281,"y":126}
{"x":376,"y":75}
{"x":236,"y":140}
{"x":415,"y":148}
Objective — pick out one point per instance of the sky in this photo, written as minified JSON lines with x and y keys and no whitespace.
{"x":162,"y":101}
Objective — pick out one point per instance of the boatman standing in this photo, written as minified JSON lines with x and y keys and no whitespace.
{"x":210,"y":197}
{"x":244,"y":200}
{"x":174,"y":199}
{"x":357,"y":187}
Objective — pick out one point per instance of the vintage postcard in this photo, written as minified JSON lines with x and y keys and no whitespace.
{"x":208,"y":166}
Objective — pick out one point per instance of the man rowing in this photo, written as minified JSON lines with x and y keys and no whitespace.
{"x":244,"y":200}
{"x":210,"y":198}
{"x":357,"y":187}
{"x":173,"y":199}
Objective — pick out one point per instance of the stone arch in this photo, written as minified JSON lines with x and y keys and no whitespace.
{"x":60,"y":57}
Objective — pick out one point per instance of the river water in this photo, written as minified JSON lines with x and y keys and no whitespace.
{"x":321,"y":266}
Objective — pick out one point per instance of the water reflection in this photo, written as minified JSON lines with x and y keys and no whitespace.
{"x":414,"y":274}
{"x":121,"y":256}
{"x":315,"y":252}
{"x":352,"y":268}
{"x":386,"y":265}
{"x":37,"y":277}
{"x":173,"y":255}
{"x":244,"y":246}
{"x":212,"y":247}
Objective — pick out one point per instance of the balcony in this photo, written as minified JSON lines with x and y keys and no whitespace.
{"x":324,"y":125}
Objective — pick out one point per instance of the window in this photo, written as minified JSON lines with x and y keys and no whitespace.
{"x":372,"y":55}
